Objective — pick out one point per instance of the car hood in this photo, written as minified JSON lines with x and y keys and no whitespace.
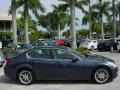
{"x":98,"y":58}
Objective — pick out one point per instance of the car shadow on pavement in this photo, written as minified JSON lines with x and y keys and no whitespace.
{"x":50,"y":82}
{"x":6,"y":80}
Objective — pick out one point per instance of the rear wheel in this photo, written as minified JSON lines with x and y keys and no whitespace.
{"x":25,"y":77}
{"x":101,"y":75}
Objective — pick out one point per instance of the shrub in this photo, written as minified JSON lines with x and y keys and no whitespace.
{"x":83,"y":51}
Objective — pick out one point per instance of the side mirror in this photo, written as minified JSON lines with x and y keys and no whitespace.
{"x":74,"y":59}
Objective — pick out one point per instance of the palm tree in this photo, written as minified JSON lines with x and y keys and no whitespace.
{"x":114,"y":20}
{"x":30,"y":5}
{"x":72,"y":4}
{"x":46,"y":21}
{"x":118,"y":13}
{"x":62,"y":17}
{"x":89,"y":17}
{"x":103,"y":10}
{"x":14,"y":26}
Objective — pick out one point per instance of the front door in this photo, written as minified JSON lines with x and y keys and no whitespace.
{"x":66,"y":68}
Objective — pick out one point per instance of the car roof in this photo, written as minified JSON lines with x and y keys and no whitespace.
{"x":50,"y":47}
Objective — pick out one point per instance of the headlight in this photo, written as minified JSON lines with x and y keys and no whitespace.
{"x":111,"y":64}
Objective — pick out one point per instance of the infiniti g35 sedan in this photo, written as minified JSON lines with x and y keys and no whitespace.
{"x":59,"y":63}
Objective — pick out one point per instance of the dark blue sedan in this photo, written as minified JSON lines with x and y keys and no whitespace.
{"x":58,"y":63}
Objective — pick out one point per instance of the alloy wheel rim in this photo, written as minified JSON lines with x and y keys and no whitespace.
{"x":101,"y":76}
{"x":25,"y":77}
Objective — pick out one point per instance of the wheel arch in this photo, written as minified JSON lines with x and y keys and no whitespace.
{"x":24,"y":68}
{"x":101,"y":66}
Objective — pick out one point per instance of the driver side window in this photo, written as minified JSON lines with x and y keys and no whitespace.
{"x":62,"y":54}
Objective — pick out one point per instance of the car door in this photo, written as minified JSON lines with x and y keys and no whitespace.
{"x":43,"y":64}
{"x":66,"y":68}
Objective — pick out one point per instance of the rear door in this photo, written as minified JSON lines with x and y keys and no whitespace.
{"x":42,"y":63}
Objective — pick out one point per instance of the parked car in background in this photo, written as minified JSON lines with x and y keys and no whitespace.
{"x":67,"y":43}
{"x":90,"y":44}
{"x":6,"y":42}
{"x":80,"y":41}
{"x":107,"y":45}
{"x":58,"y":63}
{"x":12,"y":49}
{"x":63,"y":43}
{"x":44,"y":43}
{"x":118,"y":45}
{"x":2,"y":59}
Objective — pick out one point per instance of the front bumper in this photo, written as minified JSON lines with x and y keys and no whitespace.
{"x":114,"y":72}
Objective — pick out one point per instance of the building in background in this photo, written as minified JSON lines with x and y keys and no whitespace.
{"x":5,"y":22}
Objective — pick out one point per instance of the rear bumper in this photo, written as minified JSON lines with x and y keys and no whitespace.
{"x":9,"y":73}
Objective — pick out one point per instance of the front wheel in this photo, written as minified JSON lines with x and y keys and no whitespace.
{"x":25,"y":77}
{"x":101,"y":75}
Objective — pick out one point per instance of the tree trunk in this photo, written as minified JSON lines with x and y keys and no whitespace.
{"x":114,"y":20}
{"x":90,"y":22}
{"x":119,"y":23}
{"x":14,"y":26}
{"x":102,"y":28}
{"x":72,"y":26}
{"x":26,"y":22}
{"x":59,"y":35}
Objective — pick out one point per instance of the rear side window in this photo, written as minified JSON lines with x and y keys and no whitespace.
{"x":38,"y":54}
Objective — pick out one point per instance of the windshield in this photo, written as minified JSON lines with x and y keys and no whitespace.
{"x":88,"y":41}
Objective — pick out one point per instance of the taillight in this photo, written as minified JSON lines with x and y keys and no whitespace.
{"x":7,"y":62}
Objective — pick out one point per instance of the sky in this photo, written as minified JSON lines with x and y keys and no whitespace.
{"x":5,"y":4}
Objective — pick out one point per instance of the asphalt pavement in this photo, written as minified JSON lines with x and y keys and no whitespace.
{"x":8,"y":84}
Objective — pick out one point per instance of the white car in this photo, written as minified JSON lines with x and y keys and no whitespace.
{"x":118,"y":46}
{"x":2,"y":59}
{"x":90,"y":44}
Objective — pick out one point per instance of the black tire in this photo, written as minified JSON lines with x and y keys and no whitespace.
{"x":119,"y":51}
{"x":92,"y":48}
{"x":100,"y":50}
{"x":101,"y":78}
{"x":25,"y":80}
